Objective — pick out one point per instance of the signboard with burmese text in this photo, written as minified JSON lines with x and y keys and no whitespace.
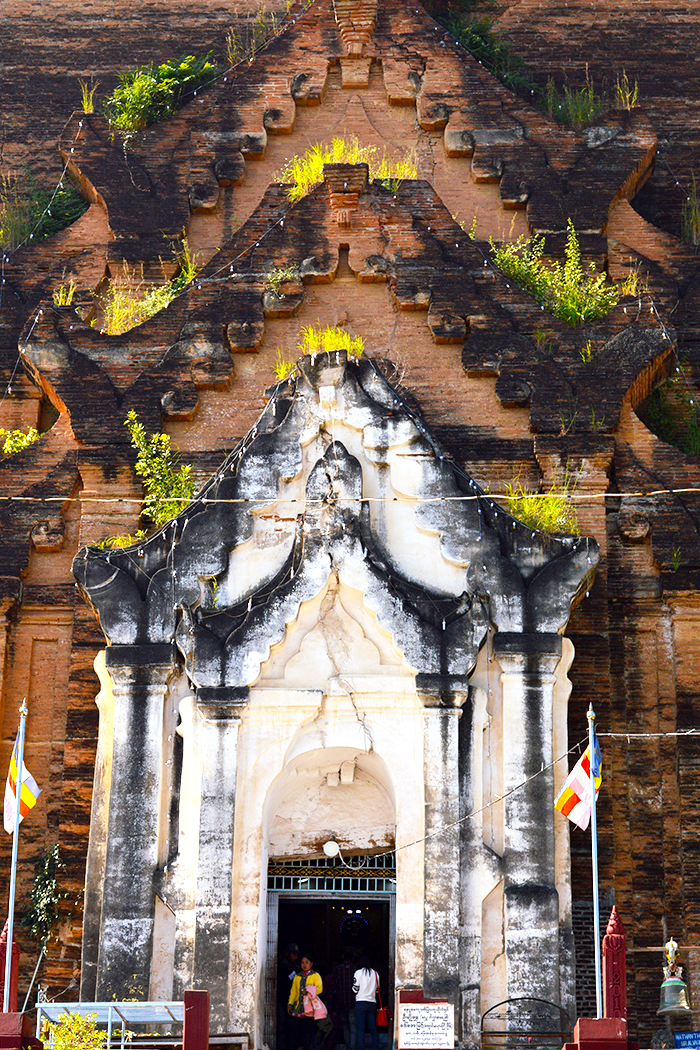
{"x":426,"y":1026}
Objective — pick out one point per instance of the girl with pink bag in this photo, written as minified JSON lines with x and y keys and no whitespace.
{"x":304,"y":1003}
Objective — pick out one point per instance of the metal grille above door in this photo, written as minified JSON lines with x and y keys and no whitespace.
{"x":364,"y":874}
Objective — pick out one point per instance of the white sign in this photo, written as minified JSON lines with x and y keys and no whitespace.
{"x":426,"y":1026}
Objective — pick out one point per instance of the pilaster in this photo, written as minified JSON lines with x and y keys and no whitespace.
{"x":442,"y":699}
{"x":140,"y":675}
{"x":531,"y":903}
{"x":218,"y":715}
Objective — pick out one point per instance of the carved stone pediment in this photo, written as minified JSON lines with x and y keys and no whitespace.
{"x":339,"y":480}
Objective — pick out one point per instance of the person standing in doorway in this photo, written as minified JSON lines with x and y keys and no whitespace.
{"x":340,"y":996}
{"x":305,"y":1024}
{"x":365,"y":985}
{"x":286,"y":969}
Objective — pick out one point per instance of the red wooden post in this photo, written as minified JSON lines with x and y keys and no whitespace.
{"x":17,"y":1032}
{"x":195,"y":1027}
{"x":614,"y":968}
{"x":14,"y":971}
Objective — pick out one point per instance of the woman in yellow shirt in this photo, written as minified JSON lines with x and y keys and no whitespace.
{"x":304,"y":1036}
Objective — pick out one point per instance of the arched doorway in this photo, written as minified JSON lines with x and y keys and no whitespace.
{"x":334,"y":908}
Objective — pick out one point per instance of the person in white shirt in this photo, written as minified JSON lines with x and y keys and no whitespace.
{"x":365,"y":985}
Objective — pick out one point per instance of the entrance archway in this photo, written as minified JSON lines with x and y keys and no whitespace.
{"x":329,"y":905}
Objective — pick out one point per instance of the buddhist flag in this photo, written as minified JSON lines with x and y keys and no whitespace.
{"x":29,"y":793}
{"x":575,"y":799}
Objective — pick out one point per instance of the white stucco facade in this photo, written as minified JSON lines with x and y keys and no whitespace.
{"x":368,"y":650}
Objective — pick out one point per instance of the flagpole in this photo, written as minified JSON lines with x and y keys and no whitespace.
{"x":594,"y":864}
{"x":31,"y":985}
{"x":15,"y":844}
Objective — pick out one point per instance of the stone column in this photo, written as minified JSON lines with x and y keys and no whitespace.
{"x":218,"y":714}
{"x":182,"y":872}
{"x":140,"y":675}
{"x":441,"y":938}
{"x":531,"y":919}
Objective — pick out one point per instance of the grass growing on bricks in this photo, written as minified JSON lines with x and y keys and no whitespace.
{"x":306,"y":171}
{"x":128,"y":303}
{"x":549,"y":511}
{"x":320,"y":340}
{"x":31,"y":212}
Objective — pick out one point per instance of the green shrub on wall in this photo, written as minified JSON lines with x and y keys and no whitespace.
{"x":569,"y":292}
{"x":31,"y":212}
{"x":16,"y":440}
{"x":168,"y":487}
{"x":151,"y":93}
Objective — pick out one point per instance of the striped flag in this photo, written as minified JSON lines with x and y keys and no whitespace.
{"x":30,"y":792}
{"x":574,"y":801}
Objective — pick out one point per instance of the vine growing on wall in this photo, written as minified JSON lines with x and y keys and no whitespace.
{"x":45,"y":898}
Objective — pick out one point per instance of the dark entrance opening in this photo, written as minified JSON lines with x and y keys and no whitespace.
{"x":325,"y":926}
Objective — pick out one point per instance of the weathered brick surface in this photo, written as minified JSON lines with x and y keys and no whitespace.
{"x":562,"y":39}
{"x":49,"y":47}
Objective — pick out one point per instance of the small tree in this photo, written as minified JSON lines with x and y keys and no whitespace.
{"x":168,"y":489}
{"x":74,"y":1033}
